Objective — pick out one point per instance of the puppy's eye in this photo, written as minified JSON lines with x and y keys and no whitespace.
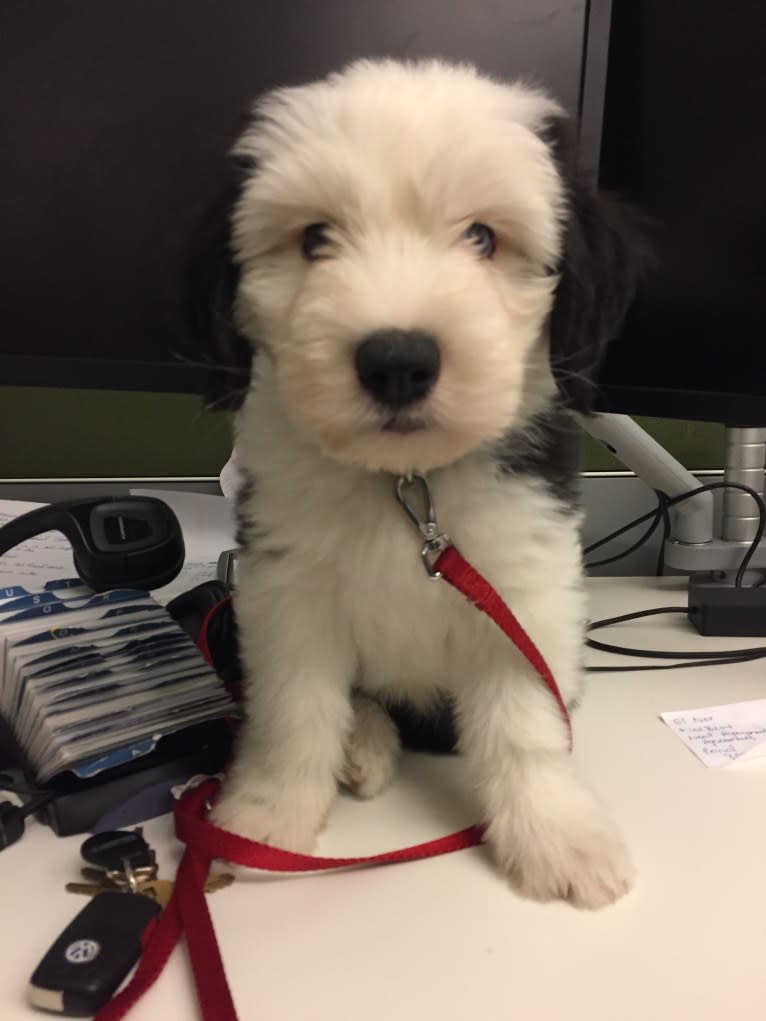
{"x":482,"y":238}
{"x":314,"y":240}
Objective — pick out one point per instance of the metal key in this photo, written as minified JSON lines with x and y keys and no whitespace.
{"x":92,"y":889}
{"x":119,"y":860}
{"x":160,"y":889}
{"x":137,"y":871}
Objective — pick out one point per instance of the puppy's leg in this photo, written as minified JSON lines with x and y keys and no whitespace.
{"x":299,"y":665}
{"x":372,"y":749}
{"x":545,"y":828}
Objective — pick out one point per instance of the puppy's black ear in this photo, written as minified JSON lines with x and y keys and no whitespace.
{"x":210,"y":337}
{"x":603,"y":253}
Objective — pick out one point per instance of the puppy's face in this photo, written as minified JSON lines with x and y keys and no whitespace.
{"x":397,"y":243}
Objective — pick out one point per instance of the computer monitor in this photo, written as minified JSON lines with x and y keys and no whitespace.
{"x":117,"y":118}
{"x":684,"y":139}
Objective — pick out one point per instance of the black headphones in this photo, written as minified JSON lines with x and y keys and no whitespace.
{"x":117,"y":542}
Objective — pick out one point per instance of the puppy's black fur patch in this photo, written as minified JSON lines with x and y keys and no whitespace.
{"x":246,"y":527}
{"x":547,"y":449}
{"x":603,"y":255}
{"x":432,"y":731}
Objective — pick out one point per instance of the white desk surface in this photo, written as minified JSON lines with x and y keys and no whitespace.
{"x":446,"y":938}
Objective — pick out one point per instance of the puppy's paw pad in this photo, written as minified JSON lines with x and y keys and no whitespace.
{"x":372,"y":751}
{"x":262,"y":821}
{"x":582,"y":861}
{"x":591,"y":871}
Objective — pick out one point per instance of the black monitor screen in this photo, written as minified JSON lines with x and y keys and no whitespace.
{"x":116,"y":121}
{"x":685,"y":138}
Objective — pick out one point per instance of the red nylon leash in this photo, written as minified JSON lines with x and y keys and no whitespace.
{"x":211,"y":842}
{"x":188,"y":913}
{"x":202,"y":641}
{"x":455,"y":569}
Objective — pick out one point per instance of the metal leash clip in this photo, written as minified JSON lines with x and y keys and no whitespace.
{"x":436,"y":542}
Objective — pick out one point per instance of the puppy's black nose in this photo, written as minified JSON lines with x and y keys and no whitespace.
{"x":398,"y":367}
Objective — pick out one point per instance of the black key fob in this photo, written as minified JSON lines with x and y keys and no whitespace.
{"x":110,"y":849}
{"x":92,"y":956}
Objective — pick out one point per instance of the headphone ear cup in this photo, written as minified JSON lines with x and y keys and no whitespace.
{"x":83,"y":570}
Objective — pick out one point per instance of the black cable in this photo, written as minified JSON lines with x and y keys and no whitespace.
{"x":667,"y":666}
{"x":13,"y":817}
{"x":700,"y":659}
{"x":36,"y":803}
{"x":13,"y":786}
{"x":665,"y":502}
{"x":658,"y":515}
{"x":618,"y":532}
{"x":709,"y":487}
{"x":757,"y":652}
{"x":595,"y":625}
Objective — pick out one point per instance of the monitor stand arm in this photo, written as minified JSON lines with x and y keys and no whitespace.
{"x":745,"y":460}
{"x":692,"y":544}
{"x":692,"y":520}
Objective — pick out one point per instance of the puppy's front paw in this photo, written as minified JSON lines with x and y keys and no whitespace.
{"x":580,"y":858}
{"x":372,"y":750}
{"x":261,"y":820}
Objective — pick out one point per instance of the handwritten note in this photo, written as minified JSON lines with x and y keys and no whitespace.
{"x":722,"y":734}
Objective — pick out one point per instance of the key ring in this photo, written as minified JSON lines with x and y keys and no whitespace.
{"x":130,"y":875}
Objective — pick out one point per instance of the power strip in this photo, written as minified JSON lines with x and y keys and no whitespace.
{"x":719,"y":607}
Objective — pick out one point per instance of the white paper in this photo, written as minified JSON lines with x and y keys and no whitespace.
{"x":37,"y":560}
{"x":722,"y":734}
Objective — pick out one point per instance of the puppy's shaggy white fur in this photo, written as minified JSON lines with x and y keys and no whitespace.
{"x":398,"y":163}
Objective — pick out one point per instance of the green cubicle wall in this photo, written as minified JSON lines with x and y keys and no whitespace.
{"x":86,"y":433}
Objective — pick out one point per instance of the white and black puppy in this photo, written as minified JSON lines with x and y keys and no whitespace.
{"x":428,"y":290}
